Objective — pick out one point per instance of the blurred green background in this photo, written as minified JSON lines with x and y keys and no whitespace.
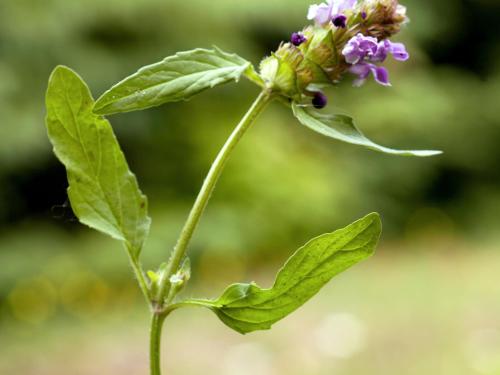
{"x":427,"y":303}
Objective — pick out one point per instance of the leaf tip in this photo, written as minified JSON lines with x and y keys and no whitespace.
{"x":61,"y":70}
{"x":429,"y":153}
{"x":411,"y":153}
{"x":62,"y":67}
{"x":375,"y":219}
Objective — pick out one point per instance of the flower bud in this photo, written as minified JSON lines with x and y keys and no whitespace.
{"x":297,"y":39}
{"x":320,"y":100}
{"x":340,"y":21}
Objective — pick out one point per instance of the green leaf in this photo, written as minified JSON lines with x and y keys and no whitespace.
{"x":247,"y":307}
{"x":342,"y":128}
{"x":104,"y":194}
{"x":176,"y":78}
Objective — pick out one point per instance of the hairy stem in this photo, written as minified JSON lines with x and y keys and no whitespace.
{"x":208,"y":186}
{"x":160,"y":311}
{"x":155,"y":343}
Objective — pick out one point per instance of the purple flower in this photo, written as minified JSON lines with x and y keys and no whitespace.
{"x":340,"y":21}
{"x":297,"y":39}
{"x":362,"y":52}
{"x":320,"y":100}
{"x":324,"y":13}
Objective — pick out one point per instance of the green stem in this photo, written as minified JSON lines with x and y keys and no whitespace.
{"x":186,"y":303}
{"x":139,"y":275}
{"x":160,"y":311}
{"x":208,"y":186}
{"x":155,"y":343}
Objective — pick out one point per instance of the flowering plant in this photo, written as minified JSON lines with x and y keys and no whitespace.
{"x":346,"y":37}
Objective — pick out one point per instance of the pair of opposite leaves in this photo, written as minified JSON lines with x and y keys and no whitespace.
{"x":105,"y":195}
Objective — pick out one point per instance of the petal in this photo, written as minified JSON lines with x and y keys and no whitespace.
{"x":367,"y":43}
{"x":359,"y":47}
{"x":381,"y":75}
{"x":313,"y":10}
{"x":346,"y":4}
{"x":351,"y":52}
{"x":362,"y":70}
{"x":333,"y":6}
{"x":381,"y":52}
{"x":351,"y":56}
{"x":323,"y":14}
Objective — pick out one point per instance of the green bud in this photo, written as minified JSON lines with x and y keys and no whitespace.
{"x":156,"y":278}
{"x":179,"y":280}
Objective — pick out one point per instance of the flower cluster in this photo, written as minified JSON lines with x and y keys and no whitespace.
{"x":347,"y":36}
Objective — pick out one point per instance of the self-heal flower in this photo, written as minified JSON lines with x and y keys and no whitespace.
{"x":326,"y":12}
{"x":362,"y":52}
{"x":348,"y":36}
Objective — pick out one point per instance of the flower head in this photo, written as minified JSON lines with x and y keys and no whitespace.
{"x":347,"y":36}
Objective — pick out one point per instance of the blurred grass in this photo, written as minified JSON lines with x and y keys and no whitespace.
{"x":401,"y":312}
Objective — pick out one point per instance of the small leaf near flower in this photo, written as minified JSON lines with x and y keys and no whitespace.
{"x":342,"y":128}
